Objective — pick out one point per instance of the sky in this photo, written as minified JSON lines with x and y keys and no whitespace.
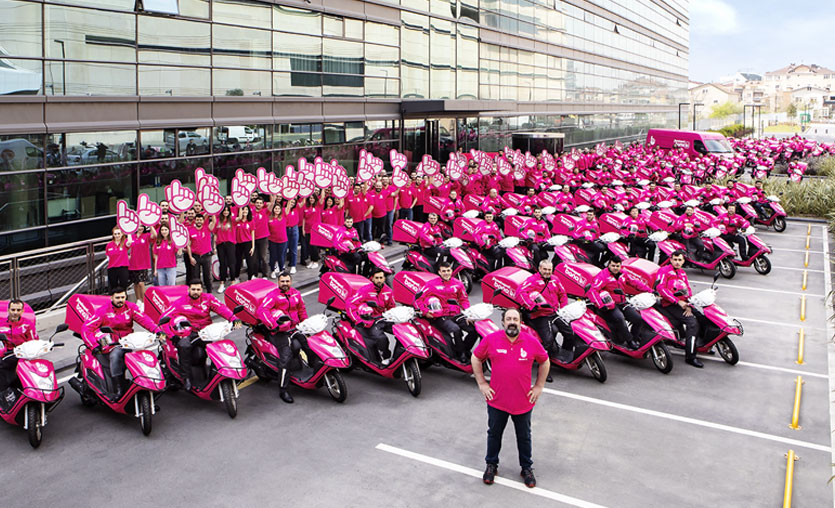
{"x":758,"y":36}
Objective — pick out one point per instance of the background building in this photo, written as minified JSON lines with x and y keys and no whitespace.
{"x":101,"y":100}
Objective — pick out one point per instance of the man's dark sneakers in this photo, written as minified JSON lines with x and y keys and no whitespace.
{"x":528,"y":477}
{"x":490,"y":473}
{"x":695,"y":362}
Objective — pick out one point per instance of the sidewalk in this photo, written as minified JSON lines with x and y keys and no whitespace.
{"x":63,"y":358}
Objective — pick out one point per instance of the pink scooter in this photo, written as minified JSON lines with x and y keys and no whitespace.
{"x":715,"y":326}
{"x":499,"y":289}
{"x":262,"y":357}
{"x":409,"y":348}
{"x":406,"y":231}
{"x":322,"y":235}
{"x":777,"y":217}
{"x":219,"y":379}
{"x":93,"y":379}
{"x":577,"y":278}
{"x":722,"y":253}
{"x":40,"y":393}
{"x":758,"y":259}
{"x":410,"y":285}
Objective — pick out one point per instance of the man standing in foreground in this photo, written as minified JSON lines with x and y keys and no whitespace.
{"x":509,"y":394}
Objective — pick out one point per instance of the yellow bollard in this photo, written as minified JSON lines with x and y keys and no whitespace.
{"x":801,"y":346}
{"x":796,"y":410}
{"x":787,"y":492}
{"x":805,"y":275}
{"x":806,"y":261}
{"x":808,"y":239}
{"x":803,"y":308}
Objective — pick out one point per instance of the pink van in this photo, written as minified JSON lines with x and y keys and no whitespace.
{"x":693,"y":142}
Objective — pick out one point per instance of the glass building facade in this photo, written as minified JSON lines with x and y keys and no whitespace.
{"x":102,"y":100}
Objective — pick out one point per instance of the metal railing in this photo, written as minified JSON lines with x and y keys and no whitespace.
{"x":47,"y":277}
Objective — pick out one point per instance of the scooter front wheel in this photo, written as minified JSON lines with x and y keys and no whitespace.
{"x":411,"y":375}
{"x":597,"y":367}
{"x":466,"y":279}
{"x":33,"y":416}
{"x":145,"y":415}
{"x":762,"y":264}
{"x":727,"y":269}
{"x":779,"y":224}
{"x":661,"y":357}
{"x":727,"y":350}
{"x":337,"y":388}
{"x":230,"y":402}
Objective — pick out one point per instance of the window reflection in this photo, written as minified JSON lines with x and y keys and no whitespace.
{"x":239,"y":138}
{"x":20,"y":29}
{"x":20,"y":77}
{"x":241,"y":12}
{"x":22,"y":198}
{"x":85,"y":34}
{"x":290,"y":19}
{"x":21,"y":151}
{"x":174,"y":41}
{"x":78,"y":149}
{"x":241,"y":47}
{"x":239,"y":82}
{"x":173,"y":81}
{"x":79,"y":78}
{"x":158,"y":144}
{"x":87,"y":192}
{"x":297,"y":84}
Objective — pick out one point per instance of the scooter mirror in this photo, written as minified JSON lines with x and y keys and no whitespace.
{"x":452,"y":301}
{"x":58,"y":344}
{"x":330,"y":301}
{"x":106,"y":329}
{"x":165,"y":320}
{"x":618,"y":291}
{"x":2,"y":336}
{"x":497,"y":292}
{"x":238,"y":309}
{"x":284,"y":319}
{"x":63,"y":327}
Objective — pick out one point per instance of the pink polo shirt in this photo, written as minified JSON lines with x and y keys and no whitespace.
{"x":391,"y":199}
{"x":294,"y":217}
{"x":278,"y":229}
{"x":225,"y":232}
{"x":378,"y":201}
{"x":117,"y":255}
{"x":311,"y":215}
{"x":511,"y":364}
{"x":358,"y":206}
{"x":166,"y":254}
{"x":243,"y":231}
{"x":406,"y":196}
{"x":260,"y":219}
{"x":335,"y":215}
{"x":201,"y":240}
{"x":140,"y":252}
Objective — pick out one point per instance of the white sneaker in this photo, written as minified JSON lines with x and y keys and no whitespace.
{"x":141,"y":306}
{"x":221,"y":288}
{"x":313,"y":265}
{"x":273,"y":274}
{"x":386,"y":361}
{"x":292,"y":269}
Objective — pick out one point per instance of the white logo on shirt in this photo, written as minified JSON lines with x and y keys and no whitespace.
{"x":503,"y":351}
{"x":523,"y":354}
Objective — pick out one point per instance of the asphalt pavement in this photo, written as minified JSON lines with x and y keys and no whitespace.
{"x":695,"y":437}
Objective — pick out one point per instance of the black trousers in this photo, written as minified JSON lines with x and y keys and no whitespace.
{"x":595,"y":249}
{"x":241,"y":254}
{"x":641,"y":247}
{"x":190,"y":353}
{"x":616,"y":318}
{"x":417,"y":211}
{"x":284,"y":344}
{"x":309,"y":252}
{"x":203,"y":264}
{"x":8,"y":373}
{"x":494,"y":256}
{"x":376,"y":340}
{"x":435,"y":253}
{"x":260,"y":258}
{"x":741,"y":243}
{"x":352,"y":260}
{"x":453,"y":327}
{"x":695,"y":247}
{"x":226,"y":257}
{"x":689,"y":325}
{"x":496,"y":423}
{"x":539,"y":251}
{"x":544,"y":326}
{"x":378,"y":227}
{"x":118,"y":277}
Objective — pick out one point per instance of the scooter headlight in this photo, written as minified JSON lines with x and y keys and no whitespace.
{"x":151,"y":372}
{"x":44,"y":382}
{"x":233,"y":360}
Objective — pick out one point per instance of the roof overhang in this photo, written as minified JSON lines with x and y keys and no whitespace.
{"x":453,"y":106}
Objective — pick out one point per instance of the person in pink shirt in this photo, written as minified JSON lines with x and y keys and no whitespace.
{"x":359,"y":207}
{"x":406,"y":201}
{"x":293,"y":213}
{"x":509,"y":394}
{"x":17,"y":330}
{"x":165,"y":258}
{"x":224,"y":231}
{"x":333,"y":213}
{"x":278,"y":239}
{"x":245,"y":243}
{"x":378,"y":197}
{"x":422,"y":191}
{"x":139,"y":261}
{"x":260,"y":218}
{"x":117,"y":260}
{"x":199,"y":251}
{"x":311,"y":212}
{"x":391,"y":204}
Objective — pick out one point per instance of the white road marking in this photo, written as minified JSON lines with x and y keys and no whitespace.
{"x":450,"y":466}
{"x":775,"y":323}
{"x":775,"y":234}
{"x":692,"y":421}
{"x":65,"y":379}
{"x":751,"y":288}
{"x":758,"y":365}
{"x":796,"y":269}
{"x":830,"y":346}
{"x":797,"y":250}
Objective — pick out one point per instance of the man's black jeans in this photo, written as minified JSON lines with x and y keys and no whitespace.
{"x":496,"y":422}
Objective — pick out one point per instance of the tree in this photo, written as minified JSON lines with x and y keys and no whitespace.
{"x":235,"y":92}
{"x":791,"y":110}
{"x":725,"y":109}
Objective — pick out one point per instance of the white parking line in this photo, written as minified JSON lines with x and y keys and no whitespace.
{"x":830,"y":346}
{"x":775,"y":323}
{"x":64,"y":379}
{"x":783,"y":235}
{"x":450,"y":466}
{"x":797,"y":250}
{"x":795,"y":269}
{"x":692,"y":421}
{"x":758,"y":366}
{"x":751,"y":288}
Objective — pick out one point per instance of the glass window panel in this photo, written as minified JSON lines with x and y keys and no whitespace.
{"x":154,"y":176}
{"x":226,"y":166}
{"x":382,"y":129}
{"x":354,"y":132}
{"x":22,"y":197}
{"x":382,"y":34}
{"x":289,"y":19}
{"x":333,"y":133}
{"x":467,"y":84}
{"x":414,"y":139}
{"x":283,"y":158}
{"x":381,"y":87}
{"x":84,"y":193}
{"x":193,"y":141}
{"x":174,"y":41}
{"x":297,"y":84}
{"x":239,"y":82}
{"x":116,"y":5}
{"x":241,"y":47}
{"x":21,"y":77}
{"x":382,"y":149}
{"x":173,"y":81}
{"x":353,"y":29}
{"x":20,"y":28}
{"x":242,"y":12}
{"x":333,"y":25}
{"x":340,"y":85}
{"x":89,"y":79}
{"x":158,"y":144}
{"x":422,"y":5}
{"x":21,"y":151}
{"x":442,"y":7}
{"x":239,"y":138}
{"x":442,"y":85}
{"x":342,"y":57}
{"x":85,"y":34}
{"x":414,"y":83}
{"x":297,"y":53}
{"x":88,"y":148}
{"x":382,"y":61}
{"x":442,"y":44}
{"x":347,"y":155}
{"x":287,"y":135}
{"x":194,"y":8}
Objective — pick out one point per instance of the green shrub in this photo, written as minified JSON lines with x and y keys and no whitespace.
{"x":735,"y":131}
{"x":809,"y":198}
{"x":826,"y":167}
